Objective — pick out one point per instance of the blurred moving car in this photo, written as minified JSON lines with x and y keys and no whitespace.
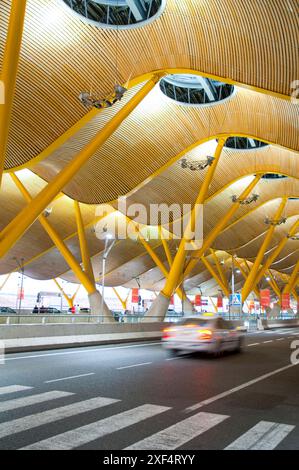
{"x":7,"y":310}
{"x":208,"y":333}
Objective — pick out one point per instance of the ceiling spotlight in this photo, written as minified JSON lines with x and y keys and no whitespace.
{"x":88,"y":100}
{"x":275,"y":222}
{"x":194,"y":165}
{"x":253,"y":198}
{"x":48,"y":212}
{"x":268,"y":278}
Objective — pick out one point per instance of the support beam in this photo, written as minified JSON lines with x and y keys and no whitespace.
{"x":85,"y":255}
{"x":219,"y":268}
{"x":245,"y":274}
{"x":17,"y":227}
{"x":9,"y":71}
{"x":55,"y":237}
{"x":177,"y":267}
{"x":211,"y":237}
{"x":67,"y":298}
{"x":166,"y":247}
{"x":247,"y":288}
{"x":214,"y":305}
{"x":292,"y":280}
{"x":123,"y":302}
{"x":273,"y":284}
{"x":212,"y":271}
{"x":270,"y":260}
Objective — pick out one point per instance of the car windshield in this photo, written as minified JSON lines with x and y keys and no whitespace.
{"x":195,"y":321}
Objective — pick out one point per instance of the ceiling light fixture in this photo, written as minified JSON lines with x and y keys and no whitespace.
{"x":88,"y":100}
{"x":196,"y":166}
{"x":253,"y":198}
{"x":275,"y":222}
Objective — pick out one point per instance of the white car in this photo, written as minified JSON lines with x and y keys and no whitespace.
{"x":207,"y":332}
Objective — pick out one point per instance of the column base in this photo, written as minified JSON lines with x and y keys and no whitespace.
{"x":95,"y":302}
{"x":158,"y":309}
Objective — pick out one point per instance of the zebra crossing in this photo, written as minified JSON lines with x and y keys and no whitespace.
{"x":263,"y":435}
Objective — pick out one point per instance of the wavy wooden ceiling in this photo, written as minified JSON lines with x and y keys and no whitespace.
{"x":252,"y":44}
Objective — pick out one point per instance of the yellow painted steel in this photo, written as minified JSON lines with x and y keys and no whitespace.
{"x":15,"y":229}
{"x":166,"y":247}
{"x":245,"y":275}
{"x":292,"y":280}
{"x":123,"y":302}
{"x":247,"y":288}
{"x":213,"y":303}
{"x":219,"y":227}
{"x":219,"y":268}
{"x":67,"y":298}
{"x":9,"y":71}
{"x":61,"y":246}
{"x":274,"y":285}
{"x":212,"y":271}
{"x":5,"y":281}
{"x":178,"y":263}
{"x":276,"y":252}
{"x":83,"y":243}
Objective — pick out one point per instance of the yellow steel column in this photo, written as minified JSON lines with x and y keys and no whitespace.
{"x":83,"y":243}
{"x":247,"y":288}
{"x":215,"y":276}
{"x":15,"y":229}
{"x":178,"y":263}
{"x":276,"y":252}
{"x":273,"y":284}
{"x":219,"y":268}
{"x":219,"y":226}
{"x":245,"y":275}
{"x":165,"y":246}
{"x":292,"y":280}
{"x":123,"y":302}
{"x":9,"y":71}
{"x":75,"y":293}
{"x":67,"y":298}
{"x":55,"y":237}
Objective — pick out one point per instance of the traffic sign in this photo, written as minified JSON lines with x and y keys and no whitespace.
{"x":235,"y":299}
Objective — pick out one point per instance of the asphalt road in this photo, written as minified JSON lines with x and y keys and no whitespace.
{"x":133,"y":396}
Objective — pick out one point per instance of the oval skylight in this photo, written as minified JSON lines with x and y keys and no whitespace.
{"x":244,"y":143}
{"x":122,"y":14}
{"x":195,"y":90}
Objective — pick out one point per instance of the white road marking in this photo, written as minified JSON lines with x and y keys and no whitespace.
{"x":32,"y":400}
{"x":79,"y":351}
{"x":264,"y":436}
{"x":68,"y":378}
{"x":177,"y":435}
{"x":173,"y":358}
{"x":13,"y":388}
{"x":90,"y":432}
{"x":50,"y":416}
{"x":134,"y":365}
{"x":238,"y":388}
{"x":270,"y":341}
{"x":280,"y":339}
{"x":253,"y":344}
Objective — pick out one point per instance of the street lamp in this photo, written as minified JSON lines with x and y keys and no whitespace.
{"x":107,"y":249}
{"x":22,"y":270}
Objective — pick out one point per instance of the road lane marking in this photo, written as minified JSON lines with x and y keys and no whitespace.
{"x":32,"y":400}
{"x":280,"y":339}
{"x":253,"y":344}
{"x":57,"y":414}
{"x":269,"y":341}
{"x":134,"y":365}
{"x":238,"y":388}
{"x":79,"y":351}
{"x":173,"y":358}
{"x":68,"y":378}
{"x":177,"y":435}
{"x":90,"y":432}
{"x":13,"y":389}
{"x":264,"y":436}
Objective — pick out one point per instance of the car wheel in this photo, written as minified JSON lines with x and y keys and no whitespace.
{"x":239,"y":346}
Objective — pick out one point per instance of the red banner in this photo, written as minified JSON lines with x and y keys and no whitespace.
{"x":21,"y":294}
{"x":265,"y":297}
{"x":285,"y":301}
{"x":198,"y":300}
{"x":135,"y":296}
{"x":219,"y":301}
{"x":171,"y":300}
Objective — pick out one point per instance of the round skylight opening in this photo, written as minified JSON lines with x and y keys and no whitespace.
{"x":117,"y":14}
{"x":244,"y":143}
{"x":194,"y":90}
